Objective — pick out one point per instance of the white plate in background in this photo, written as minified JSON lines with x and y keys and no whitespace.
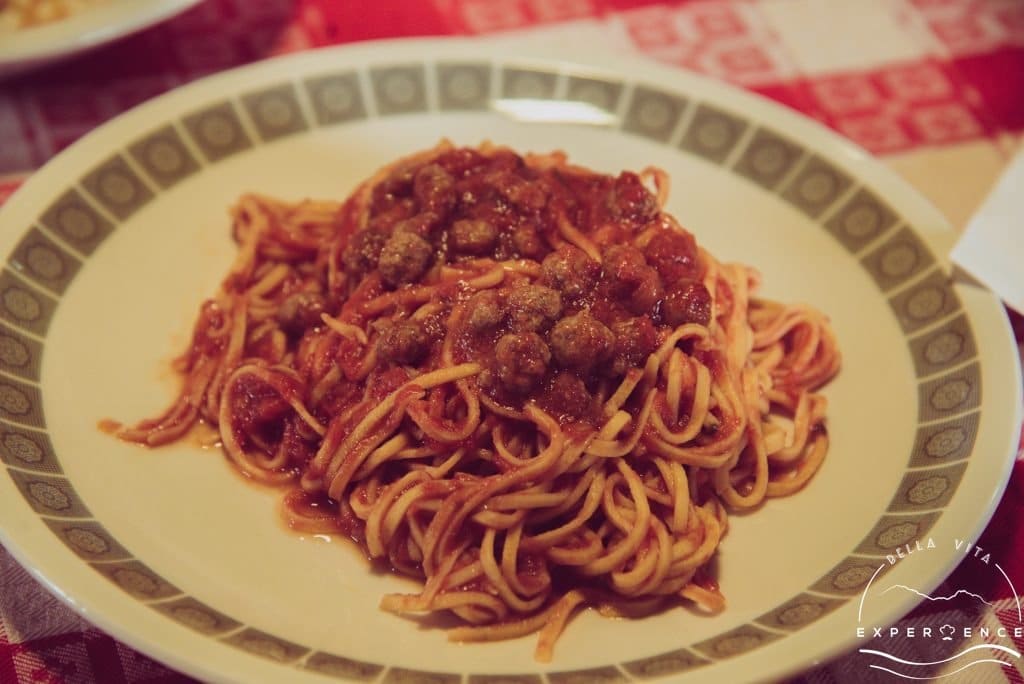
{"x":85,"y":29}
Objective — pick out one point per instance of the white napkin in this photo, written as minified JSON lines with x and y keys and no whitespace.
{"x":992,"y":247}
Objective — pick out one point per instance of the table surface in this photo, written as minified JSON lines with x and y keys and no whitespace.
{"x":934,"y":88}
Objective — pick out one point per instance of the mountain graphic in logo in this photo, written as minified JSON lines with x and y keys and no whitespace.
{"x":958,"y":594}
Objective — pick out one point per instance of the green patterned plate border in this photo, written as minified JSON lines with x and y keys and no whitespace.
{"x":44,"y":262}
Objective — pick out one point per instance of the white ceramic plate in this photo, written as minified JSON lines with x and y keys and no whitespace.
{"x":88,"y":28}
{"x":112,"y":246}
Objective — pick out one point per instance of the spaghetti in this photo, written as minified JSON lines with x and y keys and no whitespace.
{"x":513,"y":378}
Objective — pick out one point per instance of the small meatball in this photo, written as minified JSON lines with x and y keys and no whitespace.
{"x":688,"y":301}
{"x":398,"y":184}
{"x":632,"y":281}
{"x":473,"y":236}
{"x":673,"y":253}
{"x":434,"y":188}
{"x":581,"y":341}
{"x":486,"y":311}
{"x":420,"y":224}
{"x":570,"y":271}
{"x":568,"y":396}
{"x":404,"y":258}
{"x":386,"y":215}
{"x":301,"y":311}
{"x":363,"y":251}
{"x":624,"y":263}
{"x":629,"y":200}
{"x":635,"y":339}
{"x":647,"y":294}
{"x":404,"y":343}
{"x":461,"y":160}
{"x":534,"y":307}
{"x":521,"y":360}
{"x":527,"y":242}
{"x":524,"y":194}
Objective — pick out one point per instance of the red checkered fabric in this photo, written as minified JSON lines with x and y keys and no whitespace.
{"x":945,"y":72}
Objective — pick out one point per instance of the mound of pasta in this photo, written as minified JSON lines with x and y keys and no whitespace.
{"x":518,"y":380}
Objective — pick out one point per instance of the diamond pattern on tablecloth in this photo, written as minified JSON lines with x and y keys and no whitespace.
{"x":27,"y":610}
{"x":140,"y":668}
{"x":16,"y":151}
{"x":727,"y":40}
{"x":488,"y":16}
{"x":898,"y":106}
{"x":826,"y":37}
{"x":969,"y":27}
{"x":62,"y":659}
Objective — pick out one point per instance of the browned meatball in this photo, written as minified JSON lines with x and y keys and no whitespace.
{"x":473,"y":236}
{"x":581,"y":341}
{"x":534,"y":307}
{"x":404,"y":342}
{"x":630,"y":200}
{"x":420,"y":224}
{"x":404,"y":258}
{"x":567,"y":395}
{"x":398,"y":184}
{"x":570,"y":271}
{"x":363,"y":251}
{"x":523,"y":194}
{"x":647,"y":294}
{"x":388,"y":212}
{"x":301,"y":311}
{"x":673,"y":253}
{"x":434,"y":188}
{"x":688,"y":301}
{"x":485,"y":311}
{"x":623,"y":264}
{"x":635,"y":339}
{"x":631,"y":280}
{"x":521,"y":360}
{"x":527,"y":242}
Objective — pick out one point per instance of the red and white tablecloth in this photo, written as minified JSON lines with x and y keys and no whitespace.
{"x":935,"y":88}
